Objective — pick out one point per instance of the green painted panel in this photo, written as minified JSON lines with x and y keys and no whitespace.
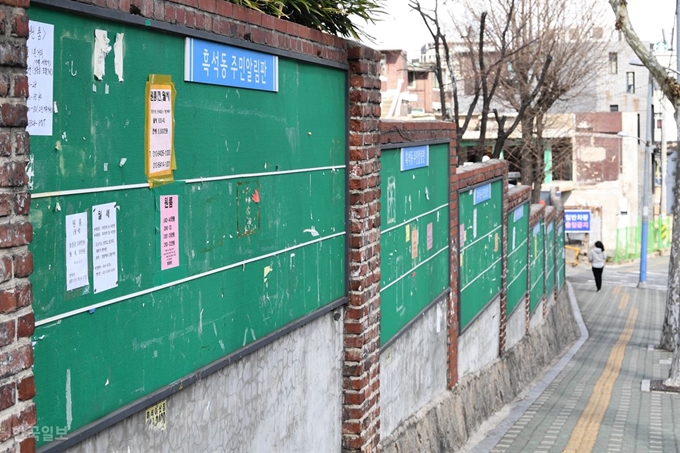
{"x":218,"y":130}
{"x":550,"y":257}
{"x":537,"y":257}
{"x":481,"y":238}
{"x":414,"y":241}
{"x":560,"y":258}
{"x":518,"y":243}
{"x":261,"y":242}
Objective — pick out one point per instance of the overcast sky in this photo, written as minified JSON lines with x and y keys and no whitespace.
{"x":404,"y":29}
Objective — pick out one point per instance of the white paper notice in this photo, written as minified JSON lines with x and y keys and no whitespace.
{"x":160,"y":128}
{"x":101,"y":50}
{"x":104,"y":247}
{"x":40,"y":65}
{"x":76,"y":251}
{"x":169,"y":230}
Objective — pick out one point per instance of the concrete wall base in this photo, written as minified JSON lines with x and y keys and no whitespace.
{"x":272,"y":400}
{"x":516,"y":325}
{"x":448,"y":421}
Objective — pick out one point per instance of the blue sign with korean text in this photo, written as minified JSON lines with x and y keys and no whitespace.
{"x":415,"y":157}
{"x":576,"y":221}
{"x":219,"y":64}
{"x":481,"y":194}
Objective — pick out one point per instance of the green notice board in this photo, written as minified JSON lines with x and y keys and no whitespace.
{"x":481,"y":230}
{"x":550,"y":257}
{"x":560,"y":258}
{"x":414,"y":240}
{"x":537,"y":258}
{"x":137,"y":287}
{"x":518,"y":253}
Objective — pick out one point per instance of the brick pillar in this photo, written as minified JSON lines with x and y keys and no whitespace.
{"x":453,"y":301}
{"x":17,"y":411}
{"x":504,"y":267}
{"x":361,"y":369}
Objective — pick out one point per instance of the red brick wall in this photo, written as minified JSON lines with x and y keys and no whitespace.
{"x":17,"y":411}
{"x":227,"y":19}
{"x":361,"y":371}
{"x":559,"y":219}
{"x":603,"y":122}
{"x":607,"y":168}
{"x":395,"y":69}
{"x":468,"y":176}
{"x":403,"y":132}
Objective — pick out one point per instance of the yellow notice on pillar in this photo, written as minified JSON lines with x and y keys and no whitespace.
{"x":159,"y":137}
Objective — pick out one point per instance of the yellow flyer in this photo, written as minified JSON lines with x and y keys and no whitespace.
{"x":159,"y":157}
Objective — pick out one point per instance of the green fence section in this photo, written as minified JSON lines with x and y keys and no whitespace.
{"x":561,"y":257}
{"x":537,"y":263}
{"x":628,"y":239}
{"x":249,"y":237}
{"x":550,"y":276}
{"x":518,"y":243}
{"x":414,"y":241}
{"x":481,"y":231}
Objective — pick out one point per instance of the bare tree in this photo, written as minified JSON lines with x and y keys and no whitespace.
{"x":550,"y":55}
{"x":671,"y":89}
{"x":483,"y":67}
{"x":431,"y":19}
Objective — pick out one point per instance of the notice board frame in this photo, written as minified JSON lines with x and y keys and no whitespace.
{"x":500,"y":224}
{"x":94,"y":12}
{"x":446,"y":290}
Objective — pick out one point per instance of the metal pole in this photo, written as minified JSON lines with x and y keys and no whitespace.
{"x":644,"y":231}
{"x":664,"y":157}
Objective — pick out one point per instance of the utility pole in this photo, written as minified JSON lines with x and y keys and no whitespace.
{"x":644,"y":231}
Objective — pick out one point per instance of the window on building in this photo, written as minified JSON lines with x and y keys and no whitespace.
{"x":435,"y":82}
{"x":614,"y":108}
{"x":383,"y":65}
{"x":630,"y":82}
{"x":411,"y":79}
{"x":613,"y":63}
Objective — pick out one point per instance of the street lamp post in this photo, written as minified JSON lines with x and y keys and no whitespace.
{"x":646,"y":183}
{"x":644,"y":231}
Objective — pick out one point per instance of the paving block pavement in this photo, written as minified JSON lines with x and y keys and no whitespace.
{"x":594,"y":399}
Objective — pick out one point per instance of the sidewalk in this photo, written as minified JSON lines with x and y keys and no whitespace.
{"x":592,"y":399}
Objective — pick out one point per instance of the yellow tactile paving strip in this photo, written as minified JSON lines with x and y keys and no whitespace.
{"x":585,"y":432}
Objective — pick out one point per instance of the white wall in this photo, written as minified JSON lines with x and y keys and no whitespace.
{"x":478,"y":345}
{"x":413,"y":369}
{"x":515,"y":325}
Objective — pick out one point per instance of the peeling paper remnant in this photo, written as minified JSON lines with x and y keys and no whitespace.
{"x":30,"y":173}
{"x":118,"y":49}
{"x":267,"y":271}
{"x":101,"y":50}
{"x":311,"y":231}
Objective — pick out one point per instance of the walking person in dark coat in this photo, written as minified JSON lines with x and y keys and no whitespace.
{"x":597,"y":258}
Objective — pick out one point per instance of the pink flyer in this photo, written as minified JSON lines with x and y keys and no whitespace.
{"x":169,"y":231}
